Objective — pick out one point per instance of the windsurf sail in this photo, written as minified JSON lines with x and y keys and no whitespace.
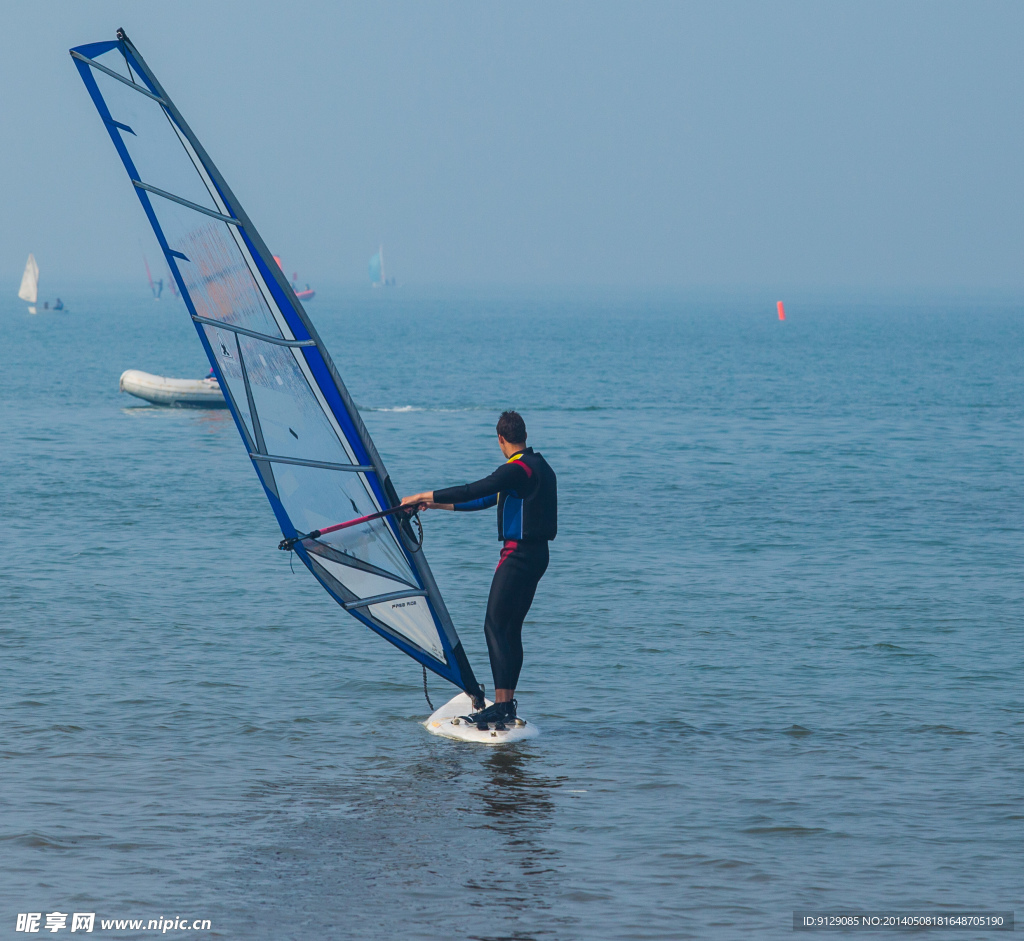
{"x":299,"y":425}
{"x":29,"y":290}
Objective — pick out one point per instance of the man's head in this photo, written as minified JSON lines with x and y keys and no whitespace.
{"x":511,"y":433}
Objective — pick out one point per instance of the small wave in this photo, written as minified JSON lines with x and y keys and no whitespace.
{"x":786,"y":831}
{"x":797,"y":731}
{"x":942,"y":730}
{"x":498,"y":408}
{"x":35,"y":839}
{"x":422,"y":408}
{"x":895,"y":650}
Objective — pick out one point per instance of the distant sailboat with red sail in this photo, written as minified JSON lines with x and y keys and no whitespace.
{"x":157,"y":287}
{"x":303,"y":294}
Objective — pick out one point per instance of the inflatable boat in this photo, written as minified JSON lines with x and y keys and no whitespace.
{"x":180,"y":393}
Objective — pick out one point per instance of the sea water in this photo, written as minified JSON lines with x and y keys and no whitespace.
{"x":776,"y":658}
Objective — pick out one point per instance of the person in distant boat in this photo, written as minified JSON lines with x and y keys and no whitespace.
{"x":59,"y":305}
{"x":525,"y":491}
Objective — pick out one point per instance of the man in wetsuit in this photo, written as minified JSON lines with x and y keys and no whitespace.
{"x":524,"y":489}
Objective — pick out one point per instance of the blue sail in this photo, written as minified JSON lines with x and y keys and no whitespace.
{"x":296,"y":419}
{"x":375,"y":269}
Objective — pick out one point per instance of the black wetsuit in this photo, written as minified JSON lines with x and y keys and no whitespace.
{"x":525,"y":491}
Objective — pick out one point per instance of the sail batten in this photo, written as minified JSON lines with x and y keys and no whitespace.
{"x":389,"y":596}
{"x":184,"y":202}
{"x":297,"y":420}
{"x":234,"y":328}
{"x":278,"y":459}
{"x":127,"y":81}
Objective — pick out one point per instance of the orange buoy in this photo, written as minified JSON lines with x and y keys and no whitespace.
{"x":782,"y":310}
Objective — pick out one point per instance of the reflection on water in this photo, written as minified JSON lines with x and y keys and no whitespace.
{"x":212,"y":416}
{"x":516,"y":802}
{"x":515,"y":796}
{"x":451,"y":839}
{"x":206,"y":416}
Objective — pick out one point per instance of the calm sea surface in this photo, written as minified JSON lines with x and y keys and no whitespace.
{"x":777,"y":657}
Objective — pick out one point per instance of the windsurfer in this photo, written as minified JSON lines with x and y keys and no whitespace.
{"x":524,"y":489}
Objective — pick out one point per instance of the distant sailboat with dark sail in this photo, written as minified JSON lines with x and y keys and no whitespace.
{"x":378,"y":276}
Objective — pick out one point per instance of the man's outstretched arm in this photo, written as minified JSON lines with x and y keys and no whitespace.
{"x":479,"y":495}
{"x":483,"y":503}
{"x":426,"y":501}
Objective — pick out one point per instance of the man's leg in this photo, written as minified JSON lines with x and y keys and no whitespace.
{"x":512,"y":592}
{"x":516,"y":605}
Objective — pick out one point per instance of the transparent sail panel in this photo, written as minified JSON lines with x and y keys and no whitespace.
{"x":218,"y":274}
{"x":115,"y":61}
{"x":152,"y":144}
{"x":293,"y":420}
{"x":314,"y":498}
{"x":360,"y":583}
{"x":225,"y":348}
{"x":411,"y":618}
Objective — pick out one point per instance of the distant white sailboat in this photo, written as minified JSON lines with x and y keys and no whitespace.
{"x":29,"y":290}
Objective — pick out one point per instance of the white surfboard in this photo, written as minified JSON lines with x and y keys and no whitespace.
{"x":446,"y":722}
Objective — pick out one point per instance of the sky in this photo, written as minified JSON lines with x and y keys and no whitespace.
{"x":818,"y":145}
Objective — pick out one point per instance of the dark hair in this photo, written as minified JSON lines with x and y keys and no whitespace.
{"x":512,"y":427}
